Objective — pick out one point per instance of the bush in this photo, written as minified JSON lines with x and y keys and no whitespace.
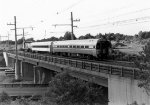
{"x":67,"y":90}
{"x":4,"y":97}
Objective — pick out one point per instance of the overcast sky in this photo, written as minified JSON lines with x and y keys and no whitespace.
{"x":96,"y":16}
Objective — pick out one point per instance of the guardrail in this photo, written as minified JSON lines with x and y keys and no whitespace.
{"x":22,"y":85}
{"x":98,"y":67}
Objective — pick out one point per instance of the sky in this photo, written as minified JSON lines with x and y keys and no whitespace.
{"x":96,"y":16}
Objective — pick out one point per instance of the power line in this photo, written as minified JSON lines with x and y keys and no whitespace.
{"x":124,"y":14}
{"x":72,"y":26}
{"x":71,"y":6}
{"x":119,"y":22}
{"x":111,"y":25}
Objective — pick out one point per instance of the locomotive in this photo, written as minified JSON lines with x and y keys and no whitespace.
{"x":87,"y":48}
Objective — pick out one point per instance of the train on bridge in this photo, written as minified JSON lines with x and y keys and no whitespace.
{"x":87,"y":48}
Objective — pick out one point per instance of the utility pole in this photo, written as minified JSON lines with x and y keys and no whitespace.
{"x":72,"y":33}
{"x":23,"y":29}
{"x":17,"y":73}
{"x":72,"y":26}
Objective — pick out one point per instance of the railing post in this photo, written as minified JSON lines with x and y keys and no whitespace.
{"x":76,"y":63}
{"x":91,"y":66}
{"x":99,"y":68}
{"x":121,"y":73}
{"x":133,"y":70}
{"x":110,"y":69}
{"x":51,"y":59}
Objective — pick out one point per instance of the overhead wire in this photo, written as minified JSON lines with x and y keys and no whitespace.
{"x":71,"y":6}
{"x":124,"y":14}
{"x":118,"y":23}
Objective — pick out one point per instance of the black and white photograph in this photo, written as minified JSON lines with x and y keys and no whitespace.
{"x":74,"y":52}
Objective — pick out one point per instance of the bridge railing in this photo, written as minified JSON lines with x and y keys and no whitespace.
{"x":97,"y":67}
{"x":22,"y":85}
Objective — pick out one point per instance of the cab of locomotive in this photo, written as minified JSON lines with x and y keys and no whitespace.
{"x":103,"y":48}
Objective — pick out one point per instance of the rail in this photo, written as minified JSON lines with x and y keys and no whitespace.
{"x":97,"y":67}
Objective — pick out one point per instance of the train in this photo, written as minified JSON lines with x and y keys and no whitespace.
{"x":87,"y":48}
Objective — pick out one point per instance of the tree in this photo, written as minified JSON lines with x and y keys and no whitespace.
{"x":30,"y":39}
{"x":68,"y":35}
{"x":4,"y":97}
{"x":98,"y":35}
{"x":144,"y":66}
{"x":88,"y":36}
{"x":66,"y":90}
{"x":20,"y":41}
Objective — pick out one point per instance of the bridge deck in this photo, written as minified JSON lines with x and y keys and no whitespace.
{"x":95,"y":72}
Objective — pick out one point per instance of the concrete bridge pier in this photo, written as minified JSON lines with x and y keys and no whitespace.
{"x":17,"y":69}
{"x":125,"y":91}
{"x":10,"y":62}
{"x":26,"y":71}
{"x":42,"y":75}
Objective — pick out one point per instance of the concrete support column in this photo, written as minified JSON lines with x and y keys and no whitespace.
{"x":17,"y":70}
{"x":27,"y":71}
{"x":6,"y":58}
{"x":22,"y":63}
{"x":35,"y":74}
{"x":125,"y":91}
{"x":11,"y":62}
{"x":42,"y":75}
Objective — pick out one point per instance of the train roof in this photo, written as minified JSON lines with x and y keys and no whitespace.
{"x":77,"y":42}
{"x":41,"y":43}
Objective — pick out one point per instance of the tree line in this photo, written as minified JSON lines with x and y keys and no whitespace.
{"x":67,"y":36}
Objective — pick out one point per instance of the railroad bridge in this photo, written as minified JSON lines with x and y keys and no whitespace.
{"x":121,"y":81}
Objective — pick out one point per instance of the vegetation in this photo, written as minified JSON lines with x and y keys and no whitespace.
{"x":66,"y":90}
{"x":144,"y":66}
{"x":4,"y":97}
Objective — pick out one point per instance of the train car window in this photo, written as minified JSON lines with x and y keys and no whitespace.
{"x":57,"y":46}
{"x":74,"y":46}
{"x":82,"y":46}
{"x":41,"y":46}
{"x":66,"y":46}
{"x":70,"y":46}
{"x":86,"y":46}
{"x":93,"y":46}
{"x":78,"y":46}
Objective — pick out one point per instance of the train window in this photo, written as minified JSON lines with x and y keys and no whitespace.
{"x":93,"y":46}
{"x":74,"y":46}
{"x":70,"y":46}
{"x":45,"y":46}
{"x":86,"y":46}
{"x":78,"y":46}
{"x":82,"y":46}
{"x":66,"y":46}
{"x":57,"y":46}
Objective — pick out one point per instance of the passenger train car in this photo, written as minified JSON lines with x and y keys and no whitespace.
{"x":90,"y":48}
